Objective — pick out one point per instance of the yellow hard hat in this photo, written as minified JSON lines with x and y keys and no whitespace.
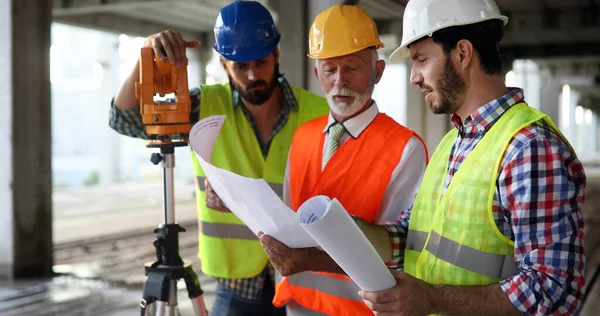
{"x":342,"y":30}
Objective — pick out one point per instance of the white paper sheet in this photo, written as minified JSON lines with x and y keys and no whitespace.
{"x":332,"y":227}
{"x":251,"y":200}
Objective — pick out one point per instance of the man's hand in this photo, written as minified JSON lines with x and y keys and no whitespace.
{"x":173,"y":44}
{"x":213,"y":200}
{"x":410,"y":296}
{"x":286,"y":260}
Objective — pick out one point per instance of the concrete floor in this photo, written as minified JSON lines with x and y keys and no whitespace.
{"x":100,"y":251}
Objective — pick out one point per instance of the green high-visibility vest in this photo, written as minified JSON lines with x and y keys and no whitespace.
{"x":229,"y":249}
{"x":454,"y":239}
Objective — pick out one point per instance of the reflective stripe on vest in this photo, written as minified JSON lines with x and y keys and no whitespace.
{"x":221,"y":230}
{"x":276,"y":187}
{"x":329,"y":285}
{"x":497,"y":266}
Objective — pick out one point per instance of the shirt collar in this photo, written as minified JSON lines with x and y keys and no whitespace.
{"x":485,"y":116}
{"x":289,"y":100}
{"x":356,"y":125}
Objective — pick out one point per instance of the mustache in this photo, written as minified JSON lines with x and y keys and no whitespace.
{"x":425,"y":86}
{"x":344,"y":91}
{"x":256,"y":84}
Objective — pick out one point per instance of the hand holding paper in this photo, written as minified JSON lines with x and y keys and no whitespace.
{"x":332,"y":227}
{"x":319,"y":221}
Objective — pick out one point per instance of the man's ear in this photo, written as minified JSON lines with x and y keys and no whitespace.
{"x":276,"y":55}
{"x":379,"y":68}
{"x":465,"y":51}
{"x":316,"y":71}
{"x":223,"y":62}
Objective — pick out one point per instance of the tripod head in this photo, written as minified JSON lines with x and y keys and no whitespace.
{"x":167,"y":122}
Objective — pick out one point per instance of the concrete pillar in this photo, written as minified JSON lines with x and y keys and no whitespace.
{"x":528,"y":76}
{"x":551,"y":89}
{"x":25,"y":143}
{"x":568,"y":99}
{"x":293,"y":46}
{"x":199,"y":58}
{"x":110,"y":170}
{"x":6,"y":142}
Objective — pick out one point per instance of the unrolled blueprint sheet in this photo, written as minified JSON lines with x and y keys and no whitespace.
{"x":251,"y":200}
{"x":330,"y":225}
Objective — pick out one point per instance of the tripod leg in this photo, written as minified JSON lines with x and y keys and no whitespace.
{"x":194,"y":291}
{"x":160,"y":308}
{"x":156,"y":292}
{"x":172,"y":304}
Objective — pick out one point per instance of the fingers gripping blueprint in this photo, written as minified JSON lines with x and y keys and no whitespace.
{"x":320,"y":222}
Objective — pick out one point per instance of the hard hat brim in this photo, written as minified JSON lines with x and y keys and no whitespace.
{"x":333,"y":55}
{"x":249,"y":55}
{"x":403,"y":51}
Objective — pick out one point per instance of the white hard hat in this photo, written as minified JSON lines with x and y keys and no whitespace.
{"x":423,"y":17}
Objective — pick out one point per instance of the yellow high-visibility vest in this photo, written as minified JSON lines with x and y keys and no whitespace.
{"x":454,"y":239}
{"x":227,"y":248}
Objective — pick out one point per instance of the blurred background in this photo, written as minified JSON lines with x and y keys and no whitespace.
{"x":64,"y":173}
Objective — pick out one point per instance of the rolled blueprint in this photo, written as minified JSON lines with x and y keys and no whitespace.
{"x":334,"y":230}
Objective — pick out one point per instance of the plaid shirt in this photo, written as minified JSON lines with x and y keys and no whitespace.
{"x":129,"y":123}
{"x":536,"y":204}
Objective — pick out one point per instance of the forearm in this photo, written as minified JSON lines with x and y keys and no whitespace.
{"x":472,"y":300}
{"x":378,"y":237}
{"x":321,"y":262}
{"x":125,"y":98}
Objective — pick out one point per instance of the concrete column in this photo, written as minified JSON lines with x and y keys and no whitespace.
{"x":25,"y":143}
{"x":6,"y":142}
{"x":198,"y":59}
{"x":528,"y":76}
{"x":293,"y":46}
{"x":111,"y":154}
{"x":551,"y":89}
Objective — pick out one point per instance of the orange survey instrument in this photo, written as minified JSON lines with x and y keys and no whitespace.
{"x":167,"y":122}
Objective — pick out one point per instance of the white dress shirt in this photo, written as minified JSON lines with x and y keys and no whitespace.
{"x":406,"y":177}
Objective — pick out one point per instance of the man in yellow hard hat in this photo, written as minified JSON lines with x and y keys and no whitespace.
{"x":365,"y":159}
{"x":497,"y":227}
{"x":263,"y":110}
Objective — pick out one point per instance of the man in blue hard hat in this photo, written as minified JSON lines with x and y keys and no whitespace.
{"x":262,"y":111}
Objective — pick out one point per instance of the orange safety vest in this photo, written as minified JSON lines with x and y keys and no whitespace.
{"x":357,"y":175}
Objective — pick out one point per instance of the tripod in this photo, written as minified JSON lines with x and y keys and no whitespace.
{"x":160,"y":289}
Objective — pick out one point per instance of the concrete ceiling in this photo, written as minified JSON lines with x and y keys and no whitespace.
{"x":143,"y":17}
{"x":537,"y":28}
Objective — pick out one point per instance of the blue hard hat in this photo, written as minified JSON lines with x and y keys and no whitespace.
{"x":245,"y":31}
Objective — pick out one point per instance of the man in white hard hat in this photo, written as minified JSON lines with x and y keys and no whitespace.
{"x":496,"y":228}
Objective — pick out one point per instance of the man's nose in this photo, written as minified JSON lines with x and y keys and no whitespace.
{"x":341,"y":78}
{"x":415,"y":76}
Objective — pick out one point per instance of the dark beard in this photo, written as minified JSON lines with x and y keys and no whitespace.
{"x":450,"y":87}
{"x":256,"y":97}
